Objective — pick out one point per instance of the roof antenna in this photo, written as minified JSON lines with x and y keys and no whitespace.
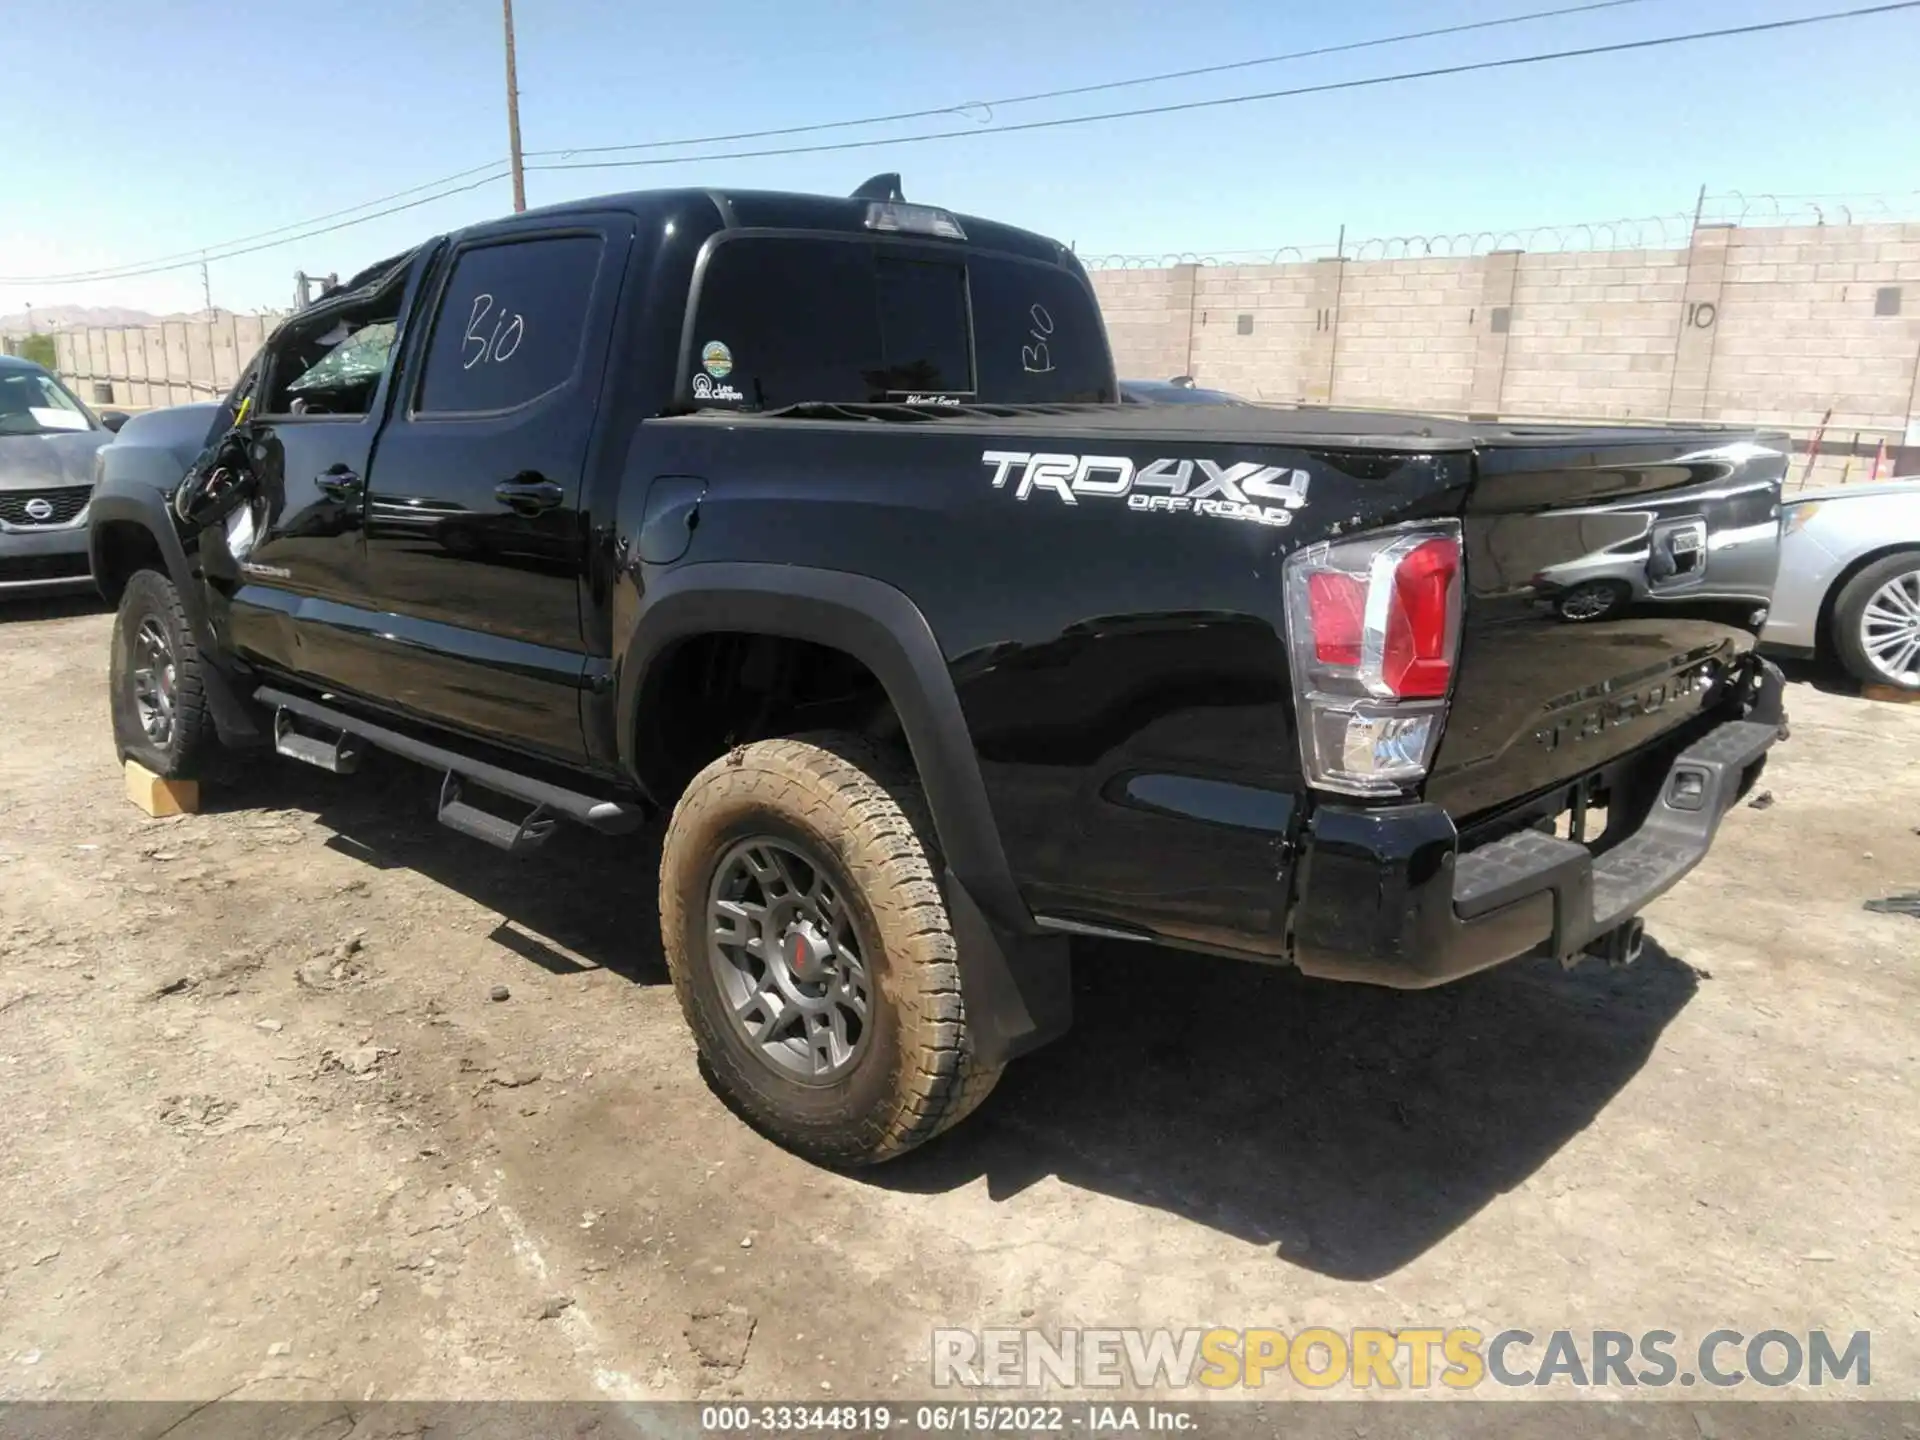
{"x":885,"y":187}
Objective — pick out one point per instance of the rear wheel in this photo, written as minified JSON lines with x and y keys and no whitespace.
{"x":156,"y":683}
{"x":811,"y":951}
{"x":1876,"y":622}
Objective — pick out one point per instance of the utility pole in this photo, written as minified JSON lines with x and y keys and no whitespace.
{"x":513,"y":117}
{"x":206,"y":287}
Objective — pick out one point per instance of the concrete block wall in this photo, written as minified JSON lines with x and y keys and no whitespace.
{"x":173,"y":363}
{"x":1784,"y":327}
{"x":1596,"y":341}
{"x":1404,"y":333}
{"x":1149,"y":312}
{"x":1262,"y":325}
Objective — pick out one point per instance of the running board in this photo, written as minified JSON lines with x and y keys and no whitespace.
{"x":340,"y":754}
{"x":611,"y":817}
{"x":516,"y":838}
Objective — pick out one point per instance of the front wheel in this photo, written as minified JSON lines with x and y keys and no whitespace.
{"x":1876,"y":622}
{"x":156,"y":683}
{"x":811,"y":951}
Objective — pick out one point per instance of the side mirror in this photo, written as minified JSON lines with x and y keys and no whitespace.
{"x":114,"y":419}
{"x":215,"y":488}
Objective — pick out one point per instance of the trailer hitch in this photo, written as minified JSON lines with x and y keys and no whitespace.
{"x":1620,"y":946}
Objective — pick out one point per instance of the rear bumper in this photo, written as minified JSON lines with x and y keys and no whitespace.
{"x":1388,"y":897}
{"x":54,"y":558}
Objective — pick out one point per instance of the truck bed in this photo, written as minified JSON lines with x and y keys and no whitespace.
{"x":1306,"y":425}
{"x":1573,"y":652}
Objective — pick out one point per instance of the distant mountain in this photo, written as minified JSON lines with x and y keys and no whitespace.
{"x":72,"y":317}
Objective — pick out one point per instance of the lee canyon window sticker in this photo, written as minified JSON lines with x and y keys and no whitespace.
{"x":710,"y":382}
{"x":1262,"y":494}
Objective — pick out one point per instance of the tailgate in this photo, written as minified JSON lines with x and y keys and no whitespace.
{"x":1611,"y":578}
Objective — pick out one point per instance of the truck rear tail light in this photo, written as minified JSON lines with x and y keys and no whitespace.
{"x":1373,"y":627}
{"x":1423,"y":620}
{"x":1338,"y":604}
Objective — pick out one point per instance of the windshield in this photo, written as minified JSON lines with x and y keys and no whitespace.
{"x":33,"y":403}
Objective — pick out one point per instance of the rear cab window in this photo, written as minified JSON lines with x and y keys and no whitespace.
{"x":785,"y":320}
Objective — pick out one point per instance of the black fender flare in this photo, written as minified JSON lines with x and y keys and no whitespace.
{"x":1014,"y":975}
{"x":145,"y":506}
{"x":147,"y":509}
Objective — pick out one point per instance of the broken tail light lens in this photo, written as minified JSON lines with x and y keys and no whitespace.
{"x":1373,"y":628}
{"x":1338,"y":606}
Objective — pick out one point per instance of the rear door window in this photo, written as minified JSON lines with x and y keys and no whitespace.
{"x":786,"y":320}
{"x":510,"y":324}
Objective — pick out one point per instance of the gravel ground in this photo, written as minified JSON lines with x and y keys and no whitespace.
{"x":269,"y":1133}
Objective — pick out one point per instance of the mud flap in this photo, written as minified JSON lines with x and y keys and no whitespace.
{"x":1018,"y":988}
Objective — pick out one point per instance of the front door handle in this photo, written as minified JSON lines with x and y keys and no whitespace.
{"x":529,"y":497}
{"x":339,"y":483}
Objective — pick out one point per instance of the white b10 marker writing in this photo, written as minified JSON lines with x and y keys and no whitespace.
{"x":508,"y":331}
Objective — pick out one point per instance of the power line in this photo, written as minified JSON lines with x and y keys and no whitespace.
{"x":206,"y":252}
{"x":990,"y":105}
{"x":243,"y":245}
{"x":1619,"y":47}
{"x":201,"y":254}
{"x":133,"y":272}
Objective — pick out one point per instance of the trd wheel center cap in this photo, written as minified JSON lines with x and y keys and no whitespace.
{"x":805,"y":950}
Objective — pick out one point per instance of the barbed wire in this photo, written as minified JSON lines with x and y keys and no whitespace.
{"x":1735,"y":207}
{"x":1672,"y":230}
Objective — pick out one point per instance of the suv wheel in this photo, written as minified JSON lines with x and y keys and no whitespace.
{"x":811,"y":950}
{"x":156,"y":689}
{"x":1876,"y":622}
{"x":1593,"y":600}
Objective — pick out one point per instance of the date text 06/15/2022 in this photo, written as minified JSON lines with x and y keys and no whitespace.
{"x":940,"y":1419}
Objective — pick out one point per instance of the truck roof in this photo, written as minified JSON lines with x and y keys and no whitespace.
{"x":736,"y":209}
{"x":784,"y":210}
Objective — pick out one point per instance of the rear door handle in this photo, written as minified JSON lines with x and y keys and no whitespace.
{"x":339,"y":482}
{"x":529,"y":497}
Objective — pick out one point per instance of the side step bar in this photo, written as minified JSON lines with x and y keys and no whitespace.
{"x":514,"y":837}
{"x":341,"y":754}
{"x":611,"y":817}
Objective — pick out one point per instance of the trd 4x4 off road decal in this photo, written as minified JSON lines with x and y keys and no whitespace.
{"x":1264,"y":494}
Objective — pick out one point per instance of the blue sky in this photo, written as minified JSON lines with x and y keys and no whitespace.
{"x":140,"y":130}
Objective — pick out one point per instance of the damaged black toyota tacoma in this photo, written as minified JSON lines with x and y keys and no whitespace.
{"x":816,"y":526}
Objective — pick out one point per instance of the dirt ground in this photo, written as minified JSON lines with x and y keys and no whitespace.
{"x":266,"y":1134}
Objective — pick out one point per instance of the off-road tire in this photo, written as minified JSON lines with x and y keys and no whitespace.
{"x":150,"y":596}
{"x":1851,"y":605}
{"x":859,"y":809}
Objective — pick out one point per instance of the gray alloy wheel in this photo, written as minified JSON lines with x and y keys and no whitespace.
{"x":1890,"y":628}
{"x":787,"y":961}
{"x":156,"y":688}
{"x":154,"y":680}
{"x":808,"y":939}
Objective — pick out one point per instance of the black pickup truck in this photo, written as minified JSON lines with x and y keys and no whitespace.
{"x":816,"y":524}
